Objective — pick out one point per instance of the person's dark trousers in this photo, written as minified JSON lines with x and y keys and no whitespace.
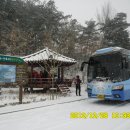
{"x":78,"y":88}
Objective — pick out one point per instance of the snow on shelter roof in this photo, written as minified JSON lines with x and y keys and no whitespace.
{"x":47,"y":54}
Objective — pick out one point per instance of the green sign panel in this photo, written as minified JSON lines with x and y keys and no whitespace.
{"x":11,"y":59}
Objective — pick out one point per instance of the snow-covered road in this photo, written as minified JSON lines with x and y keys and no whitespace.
{"x":57,"y":117}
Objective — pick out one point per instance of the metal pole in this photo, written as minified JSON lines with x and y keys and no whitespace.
{"x":20,"y":94}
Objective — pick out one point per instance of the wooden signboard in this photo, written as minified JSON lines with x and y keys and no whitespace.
{"x":12,"y":71}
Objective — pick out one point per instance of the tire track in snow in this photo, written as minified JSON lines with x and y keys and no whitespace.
{"x":43,"y":106}
{"x":4,"y":113}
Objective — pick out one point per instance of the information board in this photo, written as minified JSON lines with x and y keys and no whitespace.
{"x":7,"y":73}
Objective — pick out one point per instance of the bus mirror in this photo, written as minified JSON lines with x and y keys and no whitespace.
{"x":82,"y":65}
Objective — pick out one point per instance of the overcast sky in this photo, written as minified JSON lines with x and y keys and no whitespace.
{"x":84,"y":10}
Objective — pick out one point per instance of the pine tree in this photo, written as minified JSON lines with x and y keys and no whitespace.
{"x":90,"y":38}
{"x":115,"y":31}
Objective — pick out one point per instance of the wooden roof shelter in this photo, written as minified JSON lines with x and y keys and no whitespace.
{"x":47,"y":60}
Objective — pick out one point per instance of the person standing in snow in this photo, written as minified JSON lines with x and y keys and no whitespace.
{"x":78,"y":87}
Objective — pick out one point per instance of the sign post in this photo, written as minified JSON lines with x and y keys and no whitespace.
{"x":20,"y":94}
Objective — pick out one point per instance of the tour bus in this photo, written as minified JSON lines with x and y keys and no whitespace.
{"x":108,"y":74}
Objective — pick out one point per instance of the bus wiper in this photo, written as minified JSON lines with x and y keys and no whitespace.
{"x":102,"y":78}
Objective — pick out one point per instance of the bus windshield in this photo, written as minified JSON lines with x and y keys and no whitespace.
{"x":106,"y":67}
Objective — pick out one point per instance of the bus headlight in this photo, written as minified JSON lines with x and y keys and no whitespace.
{"x":89,"y":87}
{"x":119,"y":87}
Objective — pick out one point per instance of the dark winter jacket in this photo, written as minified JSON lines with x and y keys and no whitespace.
{"x":77,"y":81}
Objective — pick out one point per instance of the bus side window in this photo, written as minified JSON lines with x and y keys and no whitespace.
{"x":128,"y":68}
{"x":128,"y":60}
{"x":129,"y":65}
{"x":124,"y":63}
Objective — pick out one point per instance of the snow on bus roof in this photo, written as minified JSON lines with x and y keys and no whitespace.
{"x":107,"y":50}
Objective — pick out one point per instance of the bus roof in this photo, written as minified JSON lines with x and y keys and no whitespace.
{"x":107,"y":50}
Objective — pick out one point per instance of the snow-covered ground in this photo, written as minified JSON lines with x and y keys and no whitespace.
{"x":55,"y":114}
{"x":10,"y":96}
